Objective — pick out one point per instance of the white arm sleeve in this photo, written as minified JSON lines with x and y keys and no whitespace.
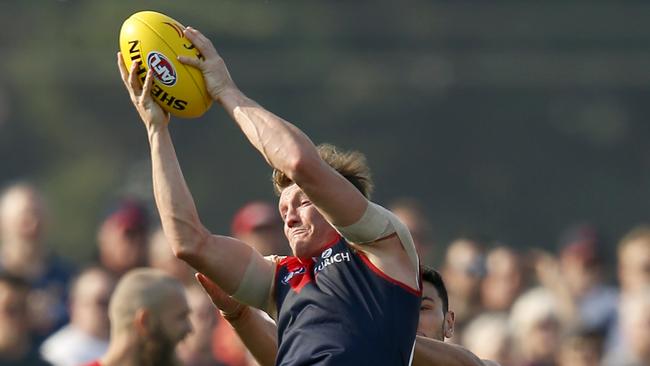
{"x":378,"y":223}
{"x":257,"y":283}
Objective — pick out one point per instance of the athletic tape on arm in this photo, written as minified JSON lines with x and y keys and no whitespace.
{"x":255,"y":287}
{"x":377,"y":223}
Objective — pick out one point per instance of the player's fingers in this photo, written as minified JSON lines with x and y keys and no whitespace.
{"x":148,"y":82}
{"x":134,"y":83}
{"x":122,"y":67}
{"x":192,"y":61}
{"x":201,"y":42}
{"x":207,"y":285}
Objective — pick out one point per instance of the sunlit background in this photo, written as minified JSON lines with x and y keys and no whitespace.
{"x":507,"y":119}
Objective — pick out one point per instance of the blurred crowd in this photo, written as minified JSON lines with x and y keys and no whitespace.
{"x":528,"y":307}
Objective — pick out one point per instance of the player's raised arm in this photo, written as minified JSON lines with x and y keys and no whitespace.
{"x":283,"y":145}
{"x":225,"y":260}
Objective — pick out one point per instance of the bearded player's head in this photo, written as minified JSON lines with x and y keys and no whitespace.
{"x":436,"y":320}
{"x":305,"y":228}
{"x":149,"y":311}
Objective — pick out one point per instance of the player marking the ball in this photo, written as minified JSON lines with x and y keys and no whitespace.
{"x":350,"y":293}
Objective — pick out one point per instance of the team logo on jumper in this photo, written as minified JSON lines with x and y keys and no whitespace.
{"x":163,"y":69}
{"x":292,"y":274}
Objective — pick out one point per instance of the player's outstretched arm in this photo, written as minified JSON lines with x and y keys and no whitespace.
{"x":283,"y":145}
{"x":223,"y":259}
{"x":431,"y":352}
{"x":258,"y":333}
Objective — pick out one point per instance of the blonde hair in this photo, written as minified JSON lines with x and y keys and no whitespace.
{"x":533,"y":306}
{"x":350,"y":164}
{"x":486,"y":333}
{"x":639,"y":233}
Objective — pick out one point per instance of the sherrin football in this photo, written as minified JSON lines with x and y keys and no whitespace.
{"x":155,"y":40}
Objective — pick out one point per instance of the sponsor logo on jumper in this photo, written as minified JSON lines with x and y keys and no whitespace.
{"x":292,"y":274}
{"x":331,"y":259}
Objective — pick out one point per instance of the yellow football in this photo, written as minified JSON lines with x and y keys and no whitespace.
{"x":154,"y":40}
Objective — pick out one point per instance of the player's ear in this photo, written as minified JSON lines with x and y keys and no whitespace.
{"x":141,"y":321}
{"x":448,"y":325}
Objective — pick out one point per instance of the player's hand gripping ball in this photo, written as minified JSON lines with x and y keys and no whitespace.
{"x":155,"y":40}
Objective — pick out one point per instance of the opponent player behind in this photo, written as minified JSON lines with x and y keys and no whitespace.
{"x":436,"y":322}
{"x":354,"y":265}
{"x":148,"y":312}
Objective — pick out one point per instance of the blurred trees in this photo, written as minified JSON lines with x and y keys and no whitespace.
{"x":512,"y":119}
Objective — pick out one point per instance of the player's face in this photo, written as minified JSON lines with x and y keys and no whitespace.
{"x":305,"y":228}
{"x":433,"y":322}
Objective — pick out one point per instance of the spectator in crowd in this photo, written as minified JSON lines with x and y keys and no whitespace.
{"x":259,"y":225}
{"x":122,"y":238}
{"x":634,"y":260}
{"x":196,"y":348}
{"x":504,"y":279}
{"x":575,"y":278}
{"x":162,"y":257}
{"x":488,"y":336}
{"x":412,"y":214}
{"x":581,"y":268}
{"x":463,"y":270}
{"x":25,"y":254}
{"x":16,"y":348}
{"x":633,"y":275}
{"x":85,"y":338}
{"x":148,"y":312}
{"x":535,"y":325}
{"x":580,"y":347}
{"x":635,"y":324}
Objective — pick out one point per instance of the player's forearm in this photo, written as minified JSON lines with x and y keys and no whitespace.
{"x":258,"y":334}
{"x":179,"y":217}
{"x":283,"y":145}
{"x":429,"y":352}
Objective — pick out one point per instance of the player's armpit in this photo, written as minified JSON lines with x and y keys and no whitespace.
{"x":376,"y":224}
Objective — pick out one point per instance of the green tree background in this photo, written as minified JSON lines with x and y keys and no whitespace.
{"x":512,"y":119}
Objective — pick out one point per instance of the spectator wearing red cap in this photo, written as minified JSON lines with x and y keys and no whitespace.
{"x":122,"y":238}
{"x":259,"y":225}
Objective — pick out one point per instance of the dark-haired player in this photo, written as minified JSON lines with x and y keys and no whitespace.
{"x":437,"y":323}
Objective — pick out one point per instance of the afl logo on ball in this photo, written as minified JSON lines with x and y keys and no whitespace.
{"x":163,"y":70}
